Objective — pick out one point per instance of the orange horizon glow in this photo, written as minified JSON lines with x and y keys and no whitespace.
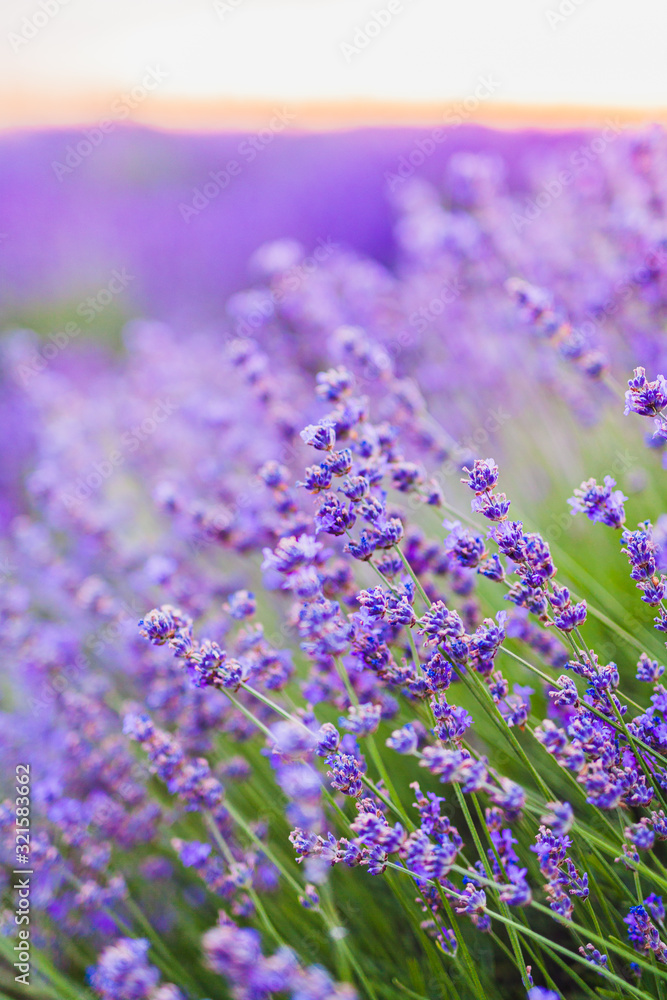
{"x":35,"y":112}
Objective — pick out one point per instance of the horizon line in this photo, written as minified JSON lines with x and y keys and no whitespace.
{"x":35,"y":113}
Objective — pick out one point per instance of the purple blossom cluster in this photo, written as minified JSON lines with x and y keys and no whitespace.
{"x":236,"y":953}
{"x":600,"y":503}
{"x":123,"y":971}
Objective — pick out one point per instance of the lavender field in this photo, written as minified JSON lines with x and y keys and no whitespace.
{"x":332,"y":569}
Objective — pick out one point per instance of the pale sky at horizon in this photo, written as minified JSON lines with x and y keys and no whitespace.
{"x":602,"y":53}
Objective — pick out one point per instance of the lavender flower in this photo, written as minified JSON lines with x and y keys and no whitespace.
{"x":483,"y":476}
{"x":600,"y":503}
{"x":241,"y":604}
{"x":404,"y":740}
{"x":320,"y":436}
{"x":644,"y":397}
{"x":122,"y":971}
{"x":468,"y":549}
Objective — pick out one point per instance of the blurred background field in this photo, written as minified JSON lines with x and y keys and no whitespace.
{"x":63,"y":233}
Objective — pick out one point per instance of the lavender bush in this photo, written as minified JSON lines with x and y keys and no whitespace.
{"x":391,"y":723}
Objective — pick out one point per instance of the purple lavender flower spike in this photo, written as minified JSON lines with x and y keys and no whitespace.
{"x":345,"y":774}
{"x":404,"y":740}
{"x":494,"y":506}
{"x":594,"y":956}
{"x":321,"y":436}
{"x":328,"y":739}
{"x":656,"y":907}
{"x":560,"y":818}
{"x":463,"y":545}
{"x":334,"y":384}
{"x":193,"y":853}
{"x":570,"y":617}
{"x":241,"y":604}
{"x":161,"y":624}
{"x":644,"y":397}
{"x":291,"y":553}
{"x":483,"y":476}
{"x":643,"y":933}
{"x":122,"y":971}
{"x":600,"y":503}
{"x":362,"y":720}
{"x":334,"y":518}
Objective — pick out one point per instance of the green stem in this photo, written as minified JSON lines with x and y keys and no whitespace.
{"x":162,"y":958}
{"x":534,"y":954}
{"x":415,"y":579}
{"x":620,"y":949}
{"x":395,"y":804}
{"x":483,"y":695}
{"x":600,"y":715}
{"x":514,"y":940}
{"x":547,"y":944}
{"x":249,"y":715}
{"x":434,"y":955}
{"x":610,"y":944}
{"x":466,"y":957}
{"x":259,"y":906}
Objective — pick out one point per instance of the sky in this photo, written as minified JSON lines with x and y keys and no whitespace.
{"x":68,"y":60}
